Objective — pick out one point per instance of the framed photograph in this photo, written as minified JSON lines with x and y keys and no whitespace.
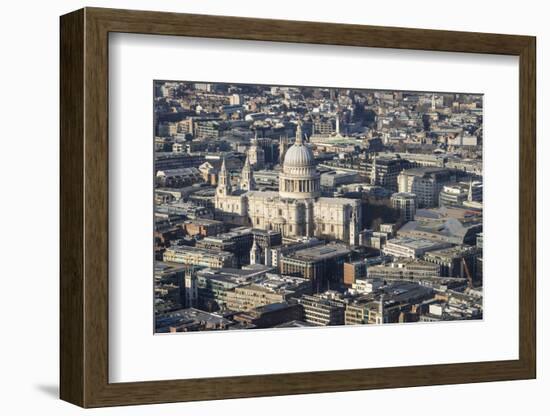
{"x":257,"y":207}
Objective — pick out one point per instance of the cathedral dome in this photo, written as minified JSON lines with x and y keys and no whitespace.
{"x":299,"y":178}
{"x":299,"y":155}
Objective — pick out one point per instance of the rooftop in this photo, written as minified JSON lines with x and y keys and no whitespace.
{"x":189,"y":315}
{"x":403,"y":195}
{"x":425,"y":170}
{"x":178,"y":172}
{"x":414,"y":243}
{"x":259,"y":231}
{"x":450,"y":227}
{"x":198,"y":250}
{"x":228,"y":272}
{"x":338,"y":201}
{"x":322,"y":252}
{"x":236,"y":232}
{"x":455,"y":251}
{"x":294,"y":324}
{"x":162,"y":267}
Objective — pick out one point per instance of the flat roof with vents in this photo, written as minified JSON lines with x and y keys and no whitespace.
{"x":322,"y":252}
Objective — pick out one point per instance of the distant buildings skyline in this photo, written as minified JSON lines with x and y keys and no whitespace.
{"x":300,"y":207}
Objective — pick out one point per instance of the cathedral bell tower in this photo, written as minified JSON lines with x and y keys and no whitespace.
{"x":224,"y":188}
{"x":247,"y":177}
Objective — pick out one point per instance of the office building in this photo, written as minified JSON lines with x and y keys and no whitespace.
{"x":190,"y":319}
{"x":323,"y":265}
{"x":270,"y":315}
{"x":237,"y":241}
{"x":404,"y":269}
{"x":410,"y":247}
{"x":170,"y":160}
{"x":456,"y":261}
{"x":406,"y":203}
{"x":323,"y":309}
{"x":271,"y":289}
{"x":384,"y":171}
{"x":194,"y":256}
{"x":426,"y":183}
{"x":354,"y":270}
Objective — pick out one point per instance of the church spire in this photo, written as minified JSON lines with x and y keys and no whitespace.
{"x":247,"y":177}
{"x":224,"y":188}
{"x":255,"y":253}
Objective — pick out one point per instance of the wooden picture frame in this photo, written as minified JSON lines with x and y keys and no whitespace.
{"x":84,"y":207}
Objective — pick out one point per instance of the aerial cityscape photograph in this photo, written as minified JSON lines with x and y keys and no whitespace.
{"x":300,"y":207}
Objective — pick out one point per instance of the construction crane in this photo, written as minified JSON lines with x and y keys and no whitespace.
{"x":470,"y":281}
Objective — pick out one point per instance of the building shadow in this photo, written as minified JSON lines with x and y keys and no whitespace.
{"x":51,"y":390}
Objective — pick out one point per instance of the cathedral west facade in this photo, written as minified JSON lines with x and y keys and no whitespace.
{"x":297,"y":209}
